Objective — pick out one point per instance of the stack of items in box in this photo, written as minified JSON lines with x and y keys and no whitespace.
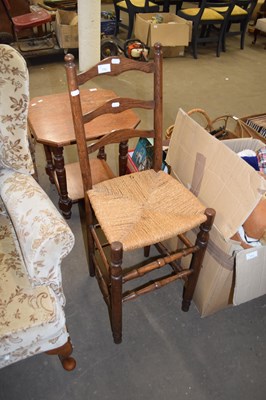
{"x":252,"y":126}
{"x":258,"y":123}
{"x":233,"y":272}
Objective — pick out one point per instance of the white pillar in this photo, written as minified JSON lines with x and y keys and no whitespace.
{"x":89,"y":22}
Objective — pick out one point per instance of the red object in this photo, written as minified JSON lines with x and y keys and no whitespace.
{"x":31,"y":20}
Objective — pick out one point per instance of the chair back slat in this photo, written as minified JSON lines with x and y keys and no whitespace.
{"x":114,"y":106}
{"x":119,"y":136}
{"x":118,"y":105}
{"x":114,"y":66}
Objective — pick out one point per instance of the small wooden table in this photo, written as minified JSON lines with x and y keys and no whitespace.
{"x":50,"y":123}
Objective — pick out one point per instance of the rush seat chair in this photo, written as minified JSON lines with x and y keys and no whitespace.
{"x":27,"y":23}
{"x":138,"y":210}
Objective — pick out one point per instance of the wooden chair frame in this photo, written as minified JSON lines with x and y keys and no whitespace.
{"x":242,"y":20}
{"x":201,"y":29}
{"x":110,"y":275}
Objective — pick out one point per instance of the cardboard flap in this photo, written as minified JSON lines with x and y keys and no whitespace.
{"x":213,"y":172}
{"x":250,"y":274}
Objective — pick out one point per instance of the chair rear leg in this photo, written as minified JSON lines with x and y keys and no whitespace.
{"x":197,"y":258}
{"x":116,"y":291}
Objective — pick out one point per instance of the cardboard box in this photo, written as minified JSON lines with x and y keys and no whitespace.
{"x":213,"y":171}
{"x":173,"y":33}
{"x":66,"y":29}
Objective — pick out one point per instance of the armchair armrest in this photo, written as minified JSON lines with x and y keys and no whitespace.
{"x":44,"y":236}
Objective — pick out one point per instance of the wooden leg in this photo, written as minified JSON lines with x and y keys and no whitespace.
{"x":101,"y":154}
{"x":147,"y":251}
{"x":123,"y":152}
{"x":197,"y":258}
{"x":90,"y":240}
{"x":116,"y":291}
{"x":64,"y":352}
{"x":49,"y":169}
{"x":65,"y":203}
{"x":256,"y":32}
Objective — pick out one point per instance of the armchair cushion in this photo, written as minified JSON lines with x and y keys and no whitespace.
{"x":30,"y":315}
{"x":43,"y":235}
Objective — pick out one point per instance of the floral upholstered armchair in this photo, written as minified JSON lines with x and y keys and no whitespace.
{"x":34,"y":238}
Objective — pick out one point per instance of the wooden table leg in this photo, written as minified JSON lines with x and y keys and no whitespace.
{"x":49,"y":168}
{"x":65,"y":203}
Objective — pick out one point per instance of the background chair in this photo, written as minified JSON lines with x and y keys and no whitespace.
{"x":204,"y":19}
{"x":167,"y":3}
{"x":132,"y":7}
{"x":26,"y":24}
{"x":240,"y":16}
{"x":34,"y":238}
{"x":136,"y":210}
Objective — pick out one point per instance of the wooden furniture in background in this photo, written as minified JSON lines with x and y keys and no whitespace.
{"x":203,"y":20}
{"x":50,"y":122}
{"x":136,"y":210}
{"x":18,"y":7}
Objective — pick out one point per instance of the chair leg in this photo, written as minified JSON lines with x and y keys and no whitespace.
{"x":64,"y":352}
{"x":131,"y":18}
{"x":116,"y":291}
{"x":147,"y":251}
{"x":90,"y":240}
{"x":243,"y":28}
{"x":197,"y":258}
{"x":117,"y":18}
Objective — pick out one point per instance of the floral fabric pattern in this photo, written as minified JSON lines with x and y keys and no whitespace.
{"x":29,"y":315}
{"x":14,"y":102}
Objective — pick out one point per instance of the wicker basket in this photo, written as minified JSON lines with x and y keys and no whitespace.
{"x":222,"y":127}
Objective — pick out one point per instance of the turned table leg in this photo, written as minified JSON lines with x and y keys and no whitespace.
{"x":49,"y":168}
{"x":65,"y":203}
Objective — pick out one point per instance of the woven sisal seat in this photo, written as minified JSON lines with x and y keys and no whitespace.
{"x":144,"y":208}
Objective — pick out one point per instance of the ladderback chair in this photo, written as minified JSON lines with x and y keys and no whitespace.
{"x":136,"y":210}
{"x":238,"y":20}
{"x":132,"y":7}
{"x":34,"y":238}
{"x":204,"y":18}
